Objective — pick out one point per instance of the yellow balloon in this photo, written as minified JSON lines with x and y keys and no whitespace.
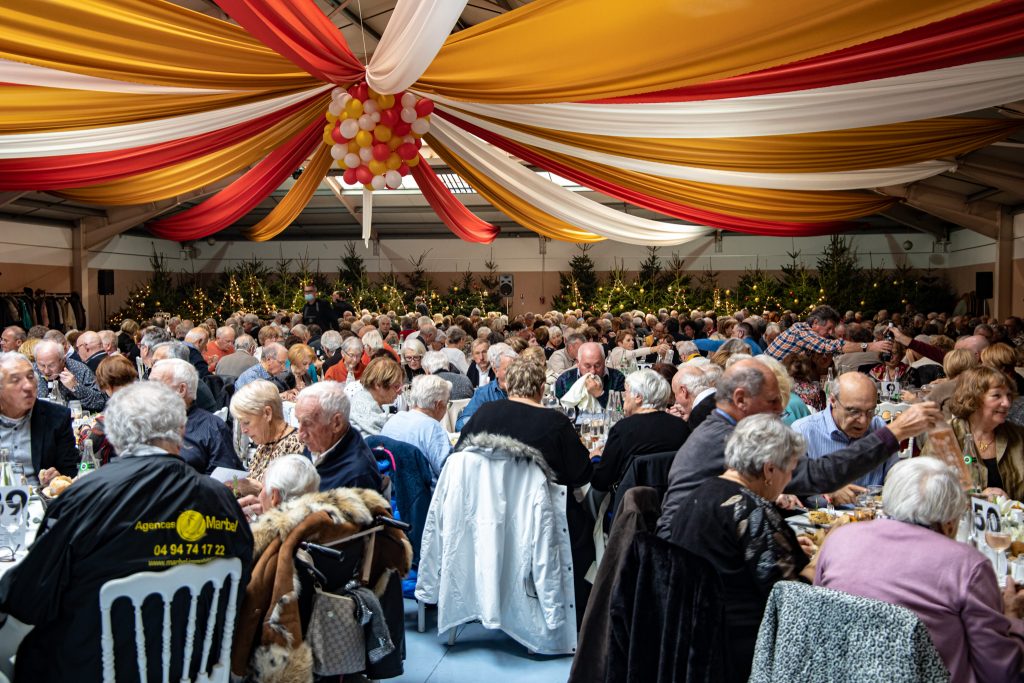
{"x":393,"y":143}
{"x":372,"y":94}
{"x":377,"y":167}
{"x":386,"y":101}
{"x":354,"y":108}
{"x":382,"y":133}
{"x":393,"y":162}
{"x":340,"y":163}
{"x":328,"y":140}
{"x":364,"y":138}
{"x":412,"y":162}
{"x":353,"y":146}
{"x":331,"y":117}
{"x":368,"y":186}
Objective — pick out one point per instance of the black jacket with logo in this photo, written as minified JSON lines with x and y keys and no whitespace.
{"x":137,"y":514}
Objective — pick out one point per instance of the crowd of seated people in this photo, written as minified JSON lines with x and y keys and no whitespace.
{"x":741,"y":401}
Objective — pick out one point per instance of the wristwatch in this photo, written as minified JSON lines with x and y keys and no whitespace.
{"x":863,"y":346}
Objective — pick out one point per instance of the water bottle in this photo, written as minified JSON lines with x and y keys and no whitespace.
{"x":978,"y":474}
{"x":6,"y":478}
{"x":888,"y":336}
{"x":88,"y":463}
{"x":829,"y":380}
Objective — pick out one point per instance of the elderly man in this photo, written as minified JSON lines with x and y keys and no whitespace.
{"x":177,"y":349}
{"x":436,"y":363}
{"x":221,"y":346}
{"x":563,"y":359}
{"x":207,"y":441}
{"x":480,"y":372}
{"x":342,"y":458}
{"x":851,"y":416}
{"x":694,"y":394}
{"x":147,"y":512}
{"x":12,"y":338}
{"x":750,"y":388}
{"x":454,"y":349}
{"x":500,"y":357}
{"x":231,"y":366}
{"x":272,"y":363}
{"x":196,"y":339}
{"x":37,"y":433}
{"x":152,"y":337}
{"x":600,"y":381}
{"x":108,"y":338}
{"x":66,"y":379}
{"x":90,"y":349}
{"x":815,"y":336}
{"x":386,"y":329}
{"x":420,"y":426}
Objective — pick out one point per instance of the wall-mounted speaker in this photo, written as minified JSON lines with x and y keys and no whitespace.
{"x":983,"y":284}
{"x":506,"y":285}
{"x":106,"y":282}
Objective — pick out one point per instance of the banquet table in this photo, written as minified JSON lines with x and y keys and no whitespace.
{"x":13,"y":631}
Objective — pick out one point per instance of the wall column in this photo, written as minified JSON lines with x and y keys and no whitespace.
{"x":1002,"y":283}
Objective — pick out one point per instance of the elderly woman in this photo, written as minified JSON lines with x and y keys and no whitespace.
{"x":980,"y":404}
{"x":915,"y":562}
{"x":374,"y":346}
{"x":351,"y":366}
{"x":421,"y":424}
{"x":804,"y":372}
{"x":380,"y":385}
{"x":436,"y":363}
{"x":1002,"y":357}
{"x":304,"y":367}
{"x":793,"y":406}
{"x":286,"y":478}
{"x":412,"y":358}
{"x":258,"y":409}
{"x":112,"y":374}
{"x":647,"y":428}
{"x":732,"y":522}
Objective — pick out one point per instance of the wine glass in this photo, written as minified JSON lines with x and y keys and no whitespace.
{"x":1000,"y":542}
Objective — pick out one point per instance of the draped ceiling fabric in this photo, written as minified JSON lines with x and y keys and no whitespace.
{"x":767,"y":118}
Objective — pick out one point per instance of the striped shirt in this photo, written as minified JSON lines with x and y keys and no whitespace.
{"x":800,"y":337}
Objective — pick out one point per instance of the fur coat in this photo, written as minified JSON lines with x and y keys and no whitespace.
{"x":268,"y":644}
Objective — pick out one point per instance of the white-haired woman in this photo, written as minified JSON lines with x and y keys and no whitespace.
{"x":287,"y":477}
{"x":421,"y":424}
{"x":412,"y":359}
{"x":437,"y":363}
{"x":732,"y":521}
{"x":915,"y":562}
{"x":352,"y":364}
{"x":260,"y":414}
{"x":647,"y":428}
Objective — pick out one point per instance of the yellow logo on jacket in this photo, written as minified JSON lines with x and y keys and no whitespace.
{"x":190,"y":525}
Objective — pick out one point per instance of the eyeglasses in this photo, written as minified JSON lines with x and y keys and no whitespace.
{"x":855,"y":412}
{"x":7,"y":553}
{"x":409,"y":359}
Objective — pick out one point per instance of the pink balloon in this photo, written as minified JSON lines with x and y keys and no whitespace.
{"x":364,"y":175}
{"x":349,"y":176}
{"x":381,"y":151}
{"x":424,"y":107}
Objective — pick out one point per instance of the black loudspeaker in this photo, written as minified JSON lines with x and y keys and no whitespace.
{"x":983,"y":284}
{"x":106,"y":284}
{"x":505,"y":285}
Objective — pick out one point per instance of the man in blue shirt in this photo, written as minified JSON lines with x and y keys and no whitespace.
{"x":500,"y":357}
{"x":271,"y":363}
{"x":850,"y":416}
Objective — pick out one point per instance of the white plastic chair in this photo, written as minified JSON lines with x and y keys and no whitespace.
{"x":222,"y":413}
{"x":455,"y":409}
{"x":140,"y":586}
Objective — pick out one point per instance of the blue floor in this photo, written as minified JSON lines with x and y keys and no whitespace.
{"x":479,"y":655}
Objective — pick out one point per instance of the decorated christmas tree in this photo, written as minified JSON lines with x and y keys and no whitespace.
{"x":579,"y":285}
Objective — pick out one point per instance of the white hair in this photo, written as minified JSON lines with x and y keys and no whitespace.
{"x":143,"y":413}
{"x":46,"y":345}
{"x":434,"y":361}
{"x":331,"y":341}
{"x":782,"y":376}
{"x":253,"y":397}
{"x":372,"y":340}
{"x":736,"y":358}
{"x":9,"y":358}
{"x":693,"y":378}
{"x":653,"y":389}
{"x":759,"y":440}
{"x":923,"y":491}
{"x":498,"y":351}
{"x":182,"y":372}
{"x":245,"y":342}
{"x":291,"y":475}
{"x":427,"y":391}
{"x":352,"y":344}
{"x":331,"y":398}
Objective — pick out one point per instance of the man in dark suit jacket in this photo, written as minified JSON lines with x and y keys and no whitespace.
{"x":694,"y":395}
{"x":37,"y":432}
{"x":89,"y":347}
{"x":341,"y":456}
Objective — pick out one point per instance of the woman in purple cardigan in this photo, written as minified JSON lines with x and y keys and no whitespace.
{"x":912,"y":559}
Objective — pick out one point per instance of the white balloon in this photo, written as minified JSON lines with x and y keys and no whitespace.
{"x":393,"y":179}
{"x":408,"y":114}
{"x":366,"y":154}
{"x":409,"y":138}
{"x":366,"y":122}
{"x":338,"y":151}
{"x":352,"y":160}
{"x":334,"y":108}
{"x":375,"y":116}
{"x":370,"y":107}
{"x":337,"y":92}
{"x":378,"y":182}
{"x":420,"y":126}
{"x":349,"y":128}
{"x":408,"y":100}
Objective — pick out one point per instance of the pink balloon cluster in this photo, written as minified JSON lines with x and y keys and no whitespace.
{"x":376,"y":138}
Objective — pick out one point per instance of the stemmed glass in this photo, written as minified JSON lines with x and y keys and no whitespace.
{"x":1000,"y":542}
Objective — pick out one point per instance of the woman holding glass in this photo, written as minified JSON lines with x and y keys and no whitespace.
{"x":625,"y":354}
{"x":980,"y":404}
{"x":911,"y":559}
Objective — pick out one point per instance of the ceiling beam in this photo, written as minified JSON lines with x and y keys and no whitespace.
{"x":335,"y":186}
{"x":918,"y":220}
{"x":9,"y":197}
{"x":993,"y":173}
{"x":981,"y":216}
{"x":366,"y":28}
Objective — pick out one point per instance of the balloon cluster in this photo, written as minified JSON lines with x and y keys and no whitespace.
{"x":376,"y":138}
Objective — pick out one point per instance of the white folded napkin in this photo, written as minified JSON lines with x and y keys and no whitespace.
{"x":578,"y":397}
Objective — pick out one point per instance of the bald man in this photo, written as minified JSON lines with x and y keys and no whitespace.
{"x":600,"y":379}
{"x":90,"y":349}
{"x":975,"y":343}
{"x":849,"y":417}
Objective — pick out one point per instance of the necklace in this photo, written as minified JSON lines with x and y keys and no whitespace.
{"x":984,"y":446}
